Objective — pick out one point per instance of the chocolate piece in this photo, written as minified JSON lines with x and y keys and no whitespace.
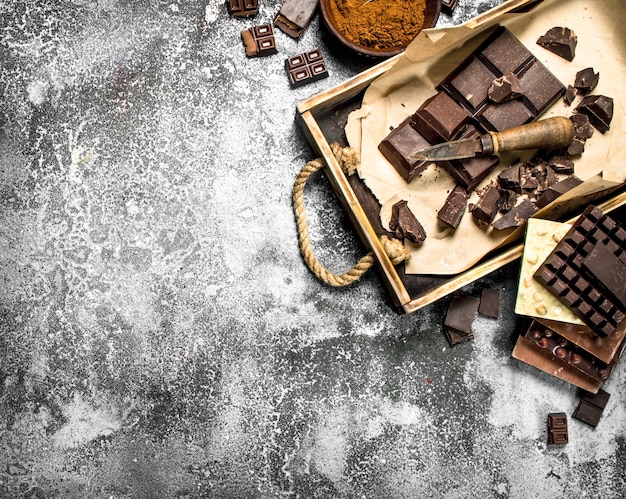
{"x":505,"y":88}
{"x":243,"y":8}
{"x":399,"y":144}
{"x":540,"y":86}
{"x":576,"y":146}
{"x":510,"y":178}
{"x":586,"y":80}
{"x":487,"y":206}
{"x":570,"y":94}
{"x":490,"y":302}
{"x":509,"y":114}
{"x":599,"y":109}
{"x":557,"y":189}
{"x":561,"y":164}
{"x":506,"y":53}
{"x":608,"y":268}
{"x":507,"y":201}
{"x":306,"y":68}
{"x":590,"y":407}
{"x":404,"y":223}
{"x":517,"y":216}
{"x":259,"y":41}
{"x":454,"y":208}
{"x":557,"y":428}
{"x":472,"y":83}
{"x":560,"y":41}
{"x":448,"y":6}
{"x":582,"y":126}
{"x":564,"y":274}
{"x":294,"y":16}
{"x":439,"y":118}
{"x":568,"y":353}
{"x":460,"y":317}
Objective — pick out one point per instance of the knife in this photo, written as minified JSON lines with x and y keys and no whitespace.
{"x":549,"y":133}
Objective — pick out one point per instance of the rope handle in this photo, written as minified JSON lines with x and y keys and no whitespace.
{"x":349,"y":160}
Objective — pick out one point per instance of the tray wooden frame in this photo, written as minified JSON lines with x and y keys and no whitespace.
{"x":322,"y":118}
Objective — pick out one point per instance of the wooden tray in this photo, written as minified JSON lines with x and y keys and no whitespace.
{"x":322,"y":118}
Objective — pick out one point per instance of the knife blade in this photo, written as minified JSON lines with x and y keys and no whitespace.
{"x":549,"y":133}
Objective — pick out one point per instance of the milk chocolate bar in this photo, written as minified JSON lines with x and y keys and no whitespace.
{"x":557,"y":428}
{"x":306,"y":68}
{"x":561,"y":41}
{"x":565,"y":274}
{"x":459,"y":317}
{"x":243,"y":8}
{"x":590,"y":407}
{"x":259,"y":41}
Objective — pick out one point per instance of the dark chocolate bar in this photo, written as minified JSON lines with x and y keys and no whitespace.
{"x":404,"y":223}
{"x":306,"y":68}
{"x":399,"y":145}
{"x":557,"y":428}
{"x":561,"y":41}
{"x":590,"y":407}
{"x":566,"y":276}
{"x":243,"y":8}
{"x":599,"y":109}
{"x":460,"y":317}
{"x":259,"y":41}
{"x":490,"y":302}
{"x":454,"y":208}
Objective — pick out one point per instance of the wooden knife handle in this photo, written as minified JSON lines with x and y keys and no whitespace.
{"x":549,"y":133}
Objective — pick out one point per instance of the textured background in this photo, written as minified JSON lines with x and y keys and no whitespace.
{"x":160,"y":336}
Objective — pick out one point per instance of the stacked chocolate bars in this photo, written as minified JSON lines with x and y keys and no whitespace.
{"x":572,"y":286}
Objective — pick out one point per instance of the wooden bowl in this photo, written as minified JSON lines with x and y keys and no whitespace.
{"x":328,"y":7}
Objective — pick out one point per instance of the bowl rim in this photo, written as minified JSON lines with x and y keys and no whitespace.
{"x":373,"y":52}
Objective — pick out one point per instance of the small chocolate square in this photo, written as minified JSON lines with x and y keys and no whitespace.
{"x":460,"y":317}
{"x":507,"y":53}
{"x":490,"y":302}
{"x":439,"y":118}
{"x":399,"y":144}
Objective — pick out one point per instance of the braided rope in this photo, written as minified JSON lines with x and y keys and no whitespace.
{"x":348,"y":158}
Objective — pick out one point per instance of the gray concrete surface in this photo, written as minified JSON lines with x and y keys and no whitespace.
{"x":160,"y":336}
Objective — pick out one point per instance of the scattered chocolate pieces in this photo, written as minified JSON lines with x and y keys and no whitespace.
{"x":557,"y":428}
{"x":590,"y":407}
{"x":599,"y":109}
{"x":490,"y":302}
{"x":454,"y":208}
{"x":259,"y":41}
{"x":306,"y":68}
{"x":560,"y":41}
{"x":586,"y":80}
{"x":404,"y":223}
{"x":566,"y":276}
{"x":459,"y":317}
{"x":505,"y":88}
{"x":243,"y":8}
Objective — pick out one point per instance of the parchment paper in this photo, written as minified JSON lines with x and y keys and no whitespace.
{"x":601,"y":30}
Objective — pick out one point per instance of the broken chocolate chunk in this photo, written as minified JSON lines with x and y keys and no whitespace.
{"x":582,"y":126}
{"x":454,"y":208}
{"x":460,"y":317}
{"x":490,"y":302}
{"x":448,"y":6}
{"x":517,"y":216}
{"x":505,"y":88}
{"x":487,"y":206}
{"x":599,"y":109}
{"x":576,"y":146}
{"x":586,"y":80}
{"x":560,"y":41}
{"x":510,"y":178}
{"x":570,"y":94}
{"x":404,"y":223}
{"x":591,"y":406}
{"x":561,"y":164}
{"x":557,"y":189}
{"x":507,"y":201}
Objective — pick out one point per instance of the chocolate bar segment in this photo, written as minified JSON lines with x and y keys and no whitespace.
{"x":608,"y":269}
{"x":243,"y":8}
{"x":306,"y":68}
{"x":454,"y":208}
{"x":506,"y":53}
{"x":561,"y":41}
{"x":460,"y":317}
{"x":565,"y":275}
{"x":557,"y":428}
{"x":259,"y":41}
{"x":399,"y":144}
{"x":439,"y":118}
{"x":590,"y":407}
